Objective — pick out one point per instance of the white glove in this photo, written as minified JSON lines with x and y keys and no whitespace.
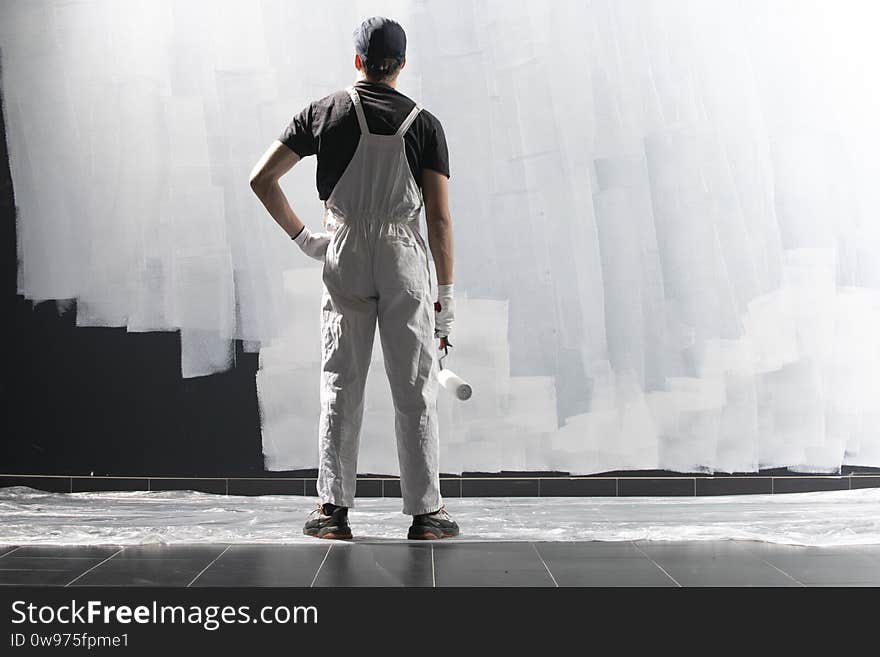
{"x":313,"y":245}
{"x":445,"y":317}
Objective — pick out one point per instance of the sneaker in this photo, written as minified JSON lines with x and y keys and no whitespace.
{"x":331,"y":522}
{"x":433,"y":525}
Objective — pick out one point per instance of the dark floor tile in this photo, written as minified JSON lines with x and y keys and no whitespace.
{"x":610,"y":572}
{"x":720,"y":563}
{"x":872,"y":551}
{"x":844,"y":585}
{"x":577,"y":550}
{"x":775,"y":472}
{"x":489,"y":564}
{"x":865,"y":482}
{"x":67,"y":551}
{"x":473,"y":487}
{"x":391,"y":488}
{"x":87,"y":484}
{"x":36,"y":577}
{"x":728,"y":571}
{"x":142,"y":572}
{"x":713,"y":549}
{"x":265,"y":565}
{"x":199,"y":552}
{"x":809,"y":484}
{"x":450,"y":487}
{"x":216,"y":486}
{"x":368,"y":488}
{"x":309,"y":473}
{"x":266,"y":486}
{"x":45,"y":570}
{"x":8,"y":549}
{"x":75,"y":564}
{"x":655,"y":486}
{"x":600,"y":564}
{"x":48,"y":484}
{"x":845,"y":568}
{"x":311,"y":487}
{"x":859,"y":469}
{"x":582,"y":487}
{"x":629,"y":474}
{"x":377,"y":565}
{"x":153,"y":565}
{"x":734,"y":485}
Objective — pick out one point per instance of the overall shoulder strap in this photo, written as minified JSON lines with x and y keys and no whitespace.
{"x":358,"y":109}
{"x":407,"y":122}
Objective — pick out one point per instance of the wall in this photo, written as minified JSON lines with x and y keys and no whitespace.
{"x":666,"y":245}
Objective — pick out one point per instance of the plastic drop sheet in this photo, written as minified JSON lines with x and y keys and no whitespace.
{"x":32,"y":517}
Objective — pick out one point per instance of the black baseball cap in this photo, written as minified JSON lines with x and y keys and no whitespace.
{"x":380,"y":38}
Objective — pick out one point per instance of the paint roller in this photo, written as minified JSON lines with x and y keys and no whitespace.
{"x":449,"y":379}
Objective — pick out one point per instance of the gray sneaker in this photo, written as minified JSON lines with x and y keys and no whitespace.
{"x":332,"y":525}
{"x":431,"y":526}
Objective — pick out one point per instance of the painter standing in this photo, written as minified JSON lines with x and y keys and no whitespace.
{"x":381,"y":158}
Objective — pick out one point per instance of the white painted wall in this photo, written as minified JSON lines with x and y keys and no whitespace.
{"x":666,"y":214}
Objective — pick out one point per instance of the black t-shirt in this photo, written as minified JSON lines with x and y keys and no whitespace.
{"x":328,"y":128}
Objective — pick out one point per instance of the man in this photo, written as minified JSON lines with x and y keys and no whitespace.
{"x":380,"y":158}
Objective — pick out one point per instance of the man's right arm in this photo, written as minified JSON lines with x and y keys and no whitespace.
{"x":435,"y":192}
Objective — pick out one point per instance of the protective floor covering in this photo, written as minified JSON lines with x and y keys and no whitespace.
{"x":32,"y":517}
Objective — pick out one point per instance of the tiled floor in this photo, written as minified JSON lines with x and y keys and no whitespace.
{"x":444,"y":563}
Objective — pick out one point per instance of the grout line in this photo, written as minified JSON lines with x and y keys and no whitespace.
{"x":616,"y":487}
{"x":695,"y":486}
{"x":656,"y":564}
{"x":433,"y":570}
{"x":326,"y":554}
{"x":95,"y":566}
{"x":6,"y":554}
{"x":535,"y":548}
{"x":799,"y":583}
{"x":772,"y":486}
{"x":208,"y":566}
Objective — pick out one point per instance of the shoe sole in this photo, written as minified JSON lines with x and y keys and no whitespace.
{"x":430,"y":536}
{"x":344,"y":536}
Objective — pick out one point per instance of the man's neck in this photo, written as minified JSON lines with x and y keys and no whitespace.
{"x":390,"y":83}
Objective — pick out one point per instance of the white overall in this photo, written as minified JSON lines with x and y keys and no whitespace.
{"x":376,"y":267}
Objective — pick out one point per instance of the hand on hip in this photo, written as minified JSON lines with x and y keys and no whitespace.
{"x":313,"y":245}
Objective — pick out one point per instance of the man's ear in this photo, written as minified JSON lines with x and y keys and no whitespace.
{"x":357,"y":62}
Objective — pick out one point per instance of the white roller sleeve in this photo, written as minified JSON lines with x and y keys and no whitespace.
{"x":455,"y":384}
